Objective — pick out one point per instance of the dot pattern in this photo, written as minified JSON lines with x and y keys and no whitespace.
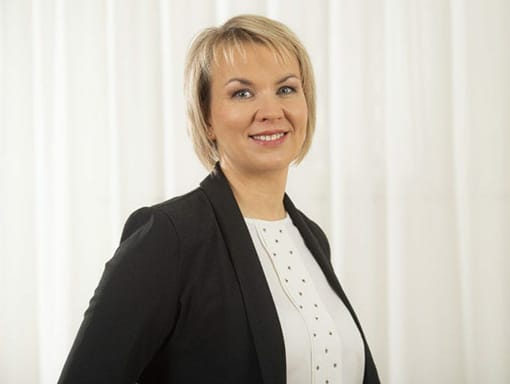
{"x":324,"y":341}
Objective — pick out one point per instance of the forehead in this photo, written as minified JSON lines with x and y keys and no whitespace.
{"x":236,"y":56}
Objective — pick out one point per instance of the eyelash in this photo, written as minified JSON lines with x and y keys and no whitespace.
{"x":237,"y":94}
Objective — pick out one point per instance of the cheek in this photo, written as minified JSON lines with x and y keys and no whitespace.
{"x":300,"y":115}
{"x":228,"y":116}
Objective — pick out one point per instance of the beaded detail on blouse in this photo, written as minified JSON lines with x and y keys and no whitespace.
{"x":317,"y":356}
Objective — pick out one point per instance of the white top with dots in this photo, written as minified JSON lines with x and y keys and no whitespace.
{"x":322,"y":343}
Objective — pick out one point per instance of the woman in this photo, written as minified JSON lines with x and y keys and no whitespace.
{"x":229,"y":283}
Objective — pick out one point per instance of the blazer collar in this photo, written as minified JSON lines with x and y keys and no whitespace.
{"x":320,"y":250}
{"x":260,"y":309}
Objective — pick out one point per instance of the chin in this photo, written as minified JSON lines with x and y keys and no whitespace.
{"x":273,"y":165}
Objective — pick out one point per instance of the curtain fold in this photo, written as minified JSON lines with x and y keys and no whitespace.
{"x":409,"y":173}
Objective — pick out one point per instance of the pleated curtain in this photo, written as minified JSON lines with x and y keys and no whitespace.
{"x":409,"y":173}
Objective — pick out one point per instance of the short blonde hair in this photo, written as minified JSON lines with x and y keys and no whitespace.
{"x":235,"y":33}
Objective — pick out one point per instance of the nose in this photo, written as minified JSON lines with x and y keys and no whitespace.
{"x":269,"y":108}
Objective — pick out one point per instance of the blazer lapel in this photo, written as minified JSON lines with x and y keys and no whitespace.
{"x":319,"y":251}
{"x":322,"y":256}
{"x":260,"y":309}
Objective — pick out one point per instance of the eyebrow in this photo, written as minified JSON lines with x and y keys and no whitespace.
{"x":249,"y":83}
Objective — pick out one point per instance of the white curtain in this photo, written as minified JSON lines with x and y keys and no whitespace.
{"x":409,"y":173}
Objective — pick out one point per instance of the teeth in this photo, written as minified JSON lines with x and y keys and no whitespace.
{"x":276,"y":136}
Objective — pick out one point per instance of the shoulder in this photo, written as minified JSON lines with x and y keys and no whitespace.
{"x":155,"y":238}
{"x":180,"y":216}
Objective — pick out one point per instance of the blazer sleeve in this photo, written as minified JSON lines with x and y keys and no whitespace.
{"x":134,"y":307}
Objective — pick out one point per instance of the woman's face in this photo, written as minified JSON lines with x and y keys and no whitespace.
{"x":258,"y":112}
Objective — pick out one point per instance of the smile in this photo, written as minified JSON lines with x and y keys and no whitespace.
{"x":273,"y":137}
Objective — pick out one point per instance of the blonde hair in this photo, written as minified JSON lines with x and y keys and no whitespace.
{"x":234,"y":34}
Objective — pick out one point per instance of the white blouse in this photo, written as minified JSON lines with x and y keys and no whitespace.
{"x":322,"y":342}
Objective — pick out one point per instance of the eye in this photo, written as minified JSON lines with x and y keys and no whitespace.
{"x":286,"y":90}
{"x":242,"y":94}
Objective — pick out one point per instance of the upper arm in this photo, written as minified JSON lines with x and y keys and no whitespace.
{"x":134,"y":307}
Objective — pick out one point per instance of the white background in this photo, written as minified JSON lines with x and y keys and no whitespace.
{"x":409,"y":173}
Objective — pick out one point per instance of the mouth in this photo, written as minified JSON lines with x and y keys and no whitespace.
{"x":269,"y":137}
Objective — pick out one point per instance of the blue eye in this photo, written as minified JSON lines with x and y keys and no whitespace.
{"x":242,"y":94}
{"x":286,"y":90}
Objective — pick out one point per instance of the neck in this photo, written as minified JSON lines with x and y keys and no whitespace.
{"x":259,"y":195}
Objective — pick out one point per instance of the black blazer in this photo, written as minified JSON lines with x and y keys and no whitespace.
{"x":185,"y":300}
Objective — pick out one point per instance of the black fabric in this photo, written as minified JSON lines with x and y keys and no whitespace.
{"x":185,"y":300}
